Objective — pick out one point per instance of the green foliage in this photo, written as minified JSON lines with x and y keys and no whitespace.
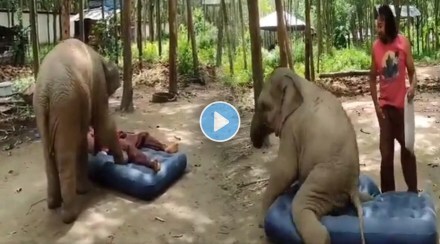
{"x":344,"y":15}
{"x":241,"y":75}
{"x":184,"y":52}
{"x":206,"y":34}
{"x":22,"y":84}
{"x":340,"y":37}
{"x":150,"y":52}
{"x":427,"y":57}
{"x":108,"y":44}
{"x":345,"y":59}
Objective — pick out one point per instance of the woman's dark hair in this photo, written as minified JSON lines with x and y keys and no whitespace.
{"x":386,"y":13}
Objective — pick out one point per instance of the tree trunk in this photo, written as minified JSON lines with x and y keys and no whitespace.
{"x":436,"y":21}
{"x":220,"y":31}
{"x":308,"y":36}
{"x":158,"y":27}
{"x":127,"y":89}
{"x":172,"y":14}
{"x":81,"y":21}
{"x":319,"y":32}
{"x":65,"y":19}
{"x":48,"y":25}
{"x":14,"y":9}
{"x":243,"y":41}
{"x":117,"y":31}
{"x":54,"y":20}
{"x":257,"y":58}
{"x":151,"y":20}
{"x":192,"y":37}
{"x":139,"y":31}
{"x":9,"y":17}
{"x":34,"y":37}
{"x":396,"y":4}
{"x":282,"y":38}
{"x":102,"y":9}
{"x":408,"y":18}
{"x":288,"y":51}
{"x":228,"y":37}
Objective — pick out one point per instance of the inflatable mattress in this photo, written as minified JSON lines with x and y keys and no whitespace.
{"x":137,"y":180}
{"x":392,"y":217}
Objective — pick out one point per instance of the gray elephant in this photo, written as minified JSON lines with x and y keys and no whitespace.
{"x":71,"y":93}
{"x":317,"y":147}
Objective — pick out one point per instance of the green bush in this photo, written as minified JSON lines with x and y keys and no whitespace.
{"x":184,"y":53}
{"x":345,"y":59}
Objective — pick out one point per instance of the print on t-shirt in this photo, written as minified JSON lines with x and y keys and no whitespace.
{"x":390,"y":65}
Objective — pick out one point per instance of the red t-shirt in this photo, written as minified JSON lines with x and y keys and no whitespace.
{"x":390,"y":62}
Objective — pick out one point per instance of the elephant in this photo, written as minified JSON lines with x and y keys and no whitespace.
{"x":318,"y":149}
{"x":72,"y":89}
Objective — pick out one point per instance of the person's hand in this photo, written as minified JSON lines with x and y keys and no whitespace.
{"x":410,"y":93}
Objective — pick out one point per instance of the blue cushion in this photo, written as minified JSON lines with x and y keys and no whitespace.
{"x":137,"y":180}
{"x":392,"y":217}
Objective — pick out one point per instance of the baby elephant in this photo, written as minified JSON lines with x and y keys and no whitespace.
{"x":71,"y":93}
{"x":318,"y":149}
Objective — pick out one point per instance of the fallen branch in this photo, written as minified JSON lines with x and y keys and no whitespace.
{"x":12,"y":102}
{"x":345,"y":74}
{"x":253,"y":182}
{"x":33,"y":204}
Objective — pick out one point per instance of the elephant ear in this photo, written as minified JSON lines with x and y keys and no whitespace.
{"x":291,"y":99}
{"x":111,"y":73}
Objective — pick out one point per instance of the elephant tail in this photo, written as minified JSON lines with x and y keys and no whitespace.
{"x":49,"y":131}
{"x":356,"y":200}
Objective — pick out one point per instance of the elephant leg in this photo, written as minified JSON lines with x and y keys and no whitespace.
{"x":105,"y":134}
{"x":283,"y":173}
{"x":67,"y":139}
{"x":279,"y":182}
{"x":317,"y":196}
{"x":83,"y":184}
{"x":53,"y":199}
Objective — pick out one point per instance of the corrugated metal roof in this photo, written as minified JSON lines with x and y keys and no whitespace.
{"x":107,"y":3}
{"x":413,"y":11}
{"x":213,"y":2}
{"x":95,"y":14}
{"x":271,"y":21}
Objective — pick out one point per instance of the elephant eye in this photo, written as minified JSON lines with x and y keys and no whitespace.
{"x":264,"y":106}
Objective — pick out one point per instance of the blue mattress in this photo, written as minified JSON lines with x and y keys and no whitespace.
{"x":392,"y":217}
{"x":137,"y":180}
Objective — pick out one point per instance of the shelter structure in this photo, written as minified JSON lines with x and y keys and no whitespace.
{"x":414,"y":12}
{"x":93,"y":14}
{"x":269,"y":25}
{"x":270,"y":22}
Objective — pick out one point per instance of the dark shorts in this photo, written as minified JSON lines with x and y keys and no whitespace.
{"x":392,"y":127}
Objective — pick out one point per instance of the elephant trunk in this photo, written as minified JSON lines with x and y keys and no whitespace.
{"x":259,"y":131}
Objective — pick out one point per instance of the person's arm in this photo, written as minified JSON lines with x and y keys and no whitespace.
{"x":410,"y":67}
{"x":373,"y":76}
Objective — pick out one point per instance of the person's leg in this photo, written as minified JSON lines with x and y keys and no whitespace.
{"x":387,"y":152}
{"x":408,"y":160}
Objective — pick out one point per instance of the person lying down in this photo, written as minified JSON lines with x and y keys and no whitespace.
{"x":132,"y":142}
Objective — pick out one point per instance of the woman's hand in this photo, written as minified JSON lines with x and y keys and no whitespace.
{"x":410,"y":93}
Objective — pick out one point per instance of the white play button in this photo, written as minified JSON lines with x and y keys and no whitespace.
{"x":219,"y":121}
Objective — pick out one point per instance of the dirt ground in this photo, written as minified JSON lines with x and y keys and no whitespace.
{"x":216,"y":201}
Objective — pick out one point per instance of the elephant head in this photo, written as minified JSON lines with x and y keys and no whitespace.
{"x":279,"y":98}
{"x":112,"y":78}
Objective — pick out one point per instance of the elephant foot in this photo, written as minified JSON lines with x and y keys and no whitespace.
{"x":68,"y":216}
{"x":83,"y":187}
{"x":53,"y":203}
